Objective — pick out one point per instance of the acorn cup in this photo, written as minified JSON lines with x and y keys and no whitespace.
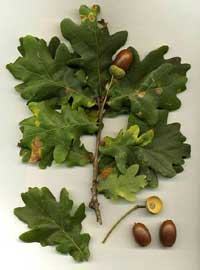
{"x":116,"y":72}
{"x":154,"y":205}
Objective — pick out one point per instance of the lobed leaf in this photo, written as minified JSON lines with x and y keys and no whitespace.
{"x":124,"y":186}
{"x":45,"y":74}
{"x":53,"y":223}
{"x":150,"y":85}
{"x":95,"y":46}
{"x":164,"y":153}
{"x":118,"y":147}
{"x":55,"y":135}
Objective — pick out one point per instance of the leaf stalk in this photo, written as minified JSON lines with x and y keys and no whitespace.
{"x":119,"y":220}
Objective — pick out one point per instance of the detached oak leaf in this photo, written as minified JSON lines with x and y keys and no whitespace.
{"x":124,"y":186}
{"x":54,"y":223}
{"x":43,"y":70}
{"x":95,"y":46}
{"x":55,"y":135}
{"x":149,"y":86}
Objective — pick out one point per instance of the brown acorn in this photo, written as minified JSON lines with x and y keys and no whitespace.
{"x":141,"y":234}
{"x":168,"y":233}
{"x":123,"y":59}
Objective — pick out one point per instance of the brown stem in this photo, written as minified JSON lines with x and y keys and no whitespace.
{"x":94,"y":203}
{"x":119,"y":220}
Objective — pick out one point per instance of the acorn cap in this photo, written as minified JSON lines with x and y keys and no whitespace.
{"x":117,"y":72}
{"x":154,"y":205}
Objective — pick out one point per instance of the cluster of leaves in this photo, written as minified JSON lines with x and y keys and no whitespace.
{"x":63,"y":86}
{"x":53,"y":223}
{"x":162,"y":152}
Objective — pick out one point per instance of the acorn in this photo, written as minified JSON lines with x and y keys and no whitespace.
{"x":168,"y":233}
{"x":141,"y":234}
{"x":123,"y":59}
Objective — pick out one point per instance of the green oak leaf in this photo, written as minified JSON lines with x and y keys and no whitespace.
{"x":151,"y":176}
{"x":149,"y":86}
{"x":144,"y":126}
{"x":124,"y":186}
{"x":55,"y":135}
{"x":77,"y":100}
{"x":118,"y":147}
{"x":165,"y":154}
{"x":54,"y":223}
{"x":53,"y":46}
{"x":95,"y":46}
{"x":43,"y":70}
{"x":78,"y":155}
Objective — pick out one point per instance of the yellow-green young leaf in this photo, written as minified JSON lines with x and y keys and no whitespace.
{"x":54,"y":223}
{"x":118,"y":147}
{"x":123,"y":186}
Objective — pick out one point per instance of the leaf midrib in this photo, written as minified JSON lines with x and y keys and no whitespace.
{"x":98,"y":60}
{"x":54,"y":129}
{"x":72,"y":240}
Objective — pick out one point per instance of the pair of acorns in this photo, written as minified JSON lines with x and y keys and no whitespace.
{"x":167,"y":232}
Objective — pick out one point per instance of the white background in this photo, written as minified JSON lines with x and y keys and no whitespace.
{"x":150,"y":24}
